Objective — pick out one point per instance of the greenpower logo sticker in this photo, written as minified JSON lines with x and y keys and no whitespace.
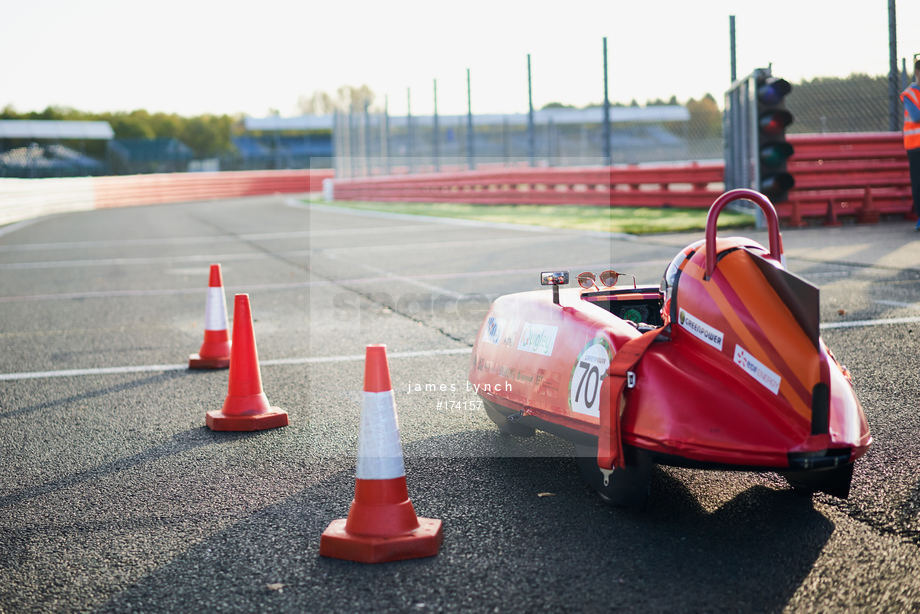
{"x":589,"y":372}
{"x":538,"y":339}
{"x":700,"y":329}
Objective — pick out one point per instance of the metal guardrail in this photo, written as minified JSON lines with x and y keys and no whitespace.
{"x":836,"y":173}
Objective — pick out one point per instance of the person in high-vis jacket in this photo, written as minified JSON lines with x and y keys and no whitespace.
{"x":911,"y":100}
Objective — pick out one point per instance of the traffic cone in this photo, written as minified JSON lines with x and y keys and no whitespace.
{"x":215,"y":351}
{"x":246,"y":407}
{"x":381,"y":525}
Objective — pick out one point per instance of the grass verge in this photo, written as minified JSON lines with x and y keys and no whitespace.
{"x":632,"y":220}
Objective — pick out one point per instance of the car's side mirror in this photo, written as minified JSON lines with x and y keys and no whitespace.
{"x":554,"y":279}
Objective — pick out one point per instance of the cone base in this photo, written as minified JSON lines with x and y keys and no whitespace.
{"x":337,"y":543}
{"x":195,"y":361}
{"x":273,"y":418}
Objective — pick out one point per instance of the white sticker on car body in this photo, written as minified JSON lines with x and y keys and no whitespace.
{"x":756,"y":369}
{"x":538,"y":338}
{"x":701,"y":330}
{"x":493,"y":330}
{"x":587,"y":376}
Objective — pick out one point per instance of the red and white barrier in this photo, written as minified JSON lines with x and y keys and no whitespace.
{"x":22,"y":199}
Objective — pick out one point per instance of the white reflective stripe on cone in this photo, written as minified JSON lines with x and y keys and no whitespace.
{"x":380,"y":455}
{"x":215,"y":316}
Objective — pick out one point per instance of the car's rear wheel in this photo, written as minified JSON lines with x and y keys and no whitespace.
{"x":627,"y":486}
{"x":499,"y":415}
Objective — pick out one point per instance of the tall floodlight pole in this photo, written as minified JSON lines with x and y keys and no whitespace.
{"x":469,"y":123}
{"x":531,"y":143}
{"x":434,"y":141}
{"x":893,"y":123}
{"x":608,"y":157}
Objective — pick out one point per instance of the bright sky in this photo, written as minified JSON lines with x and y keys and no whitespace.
{"x":205,"y":56}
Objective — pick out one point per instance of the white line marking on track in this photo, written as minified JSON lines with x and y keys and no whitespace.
{"x":306,"y":360}
{"x":310,"y":284}
{"x":263,"y":236}
{"x":897,"y":303}
{"x":17,"y":226}
{"x":861,"y":323}
{"x":56,"y":264}
{"x":257,"y":255}
{"x":453,"y":221}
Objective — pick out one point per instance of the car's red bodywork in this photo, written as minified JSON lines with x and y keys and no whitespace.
{"x":738,"y":376}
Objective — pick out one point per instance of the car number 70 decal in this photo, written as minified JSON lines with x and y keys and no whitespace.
{"x":587,"y":375}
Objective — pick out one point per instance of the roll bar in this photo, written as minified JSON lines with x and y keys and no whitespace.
{"x":776,"y":247}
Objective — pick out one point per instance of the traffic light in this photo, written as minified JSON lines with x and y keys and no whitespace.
{"x":772,"y":147}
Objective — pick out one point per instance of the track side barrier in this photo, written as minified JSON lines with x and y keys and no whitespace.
{"x":22,"y":199}
{"x":691,"y":185}
{"x":862,"y":175}
{"x":857,"y":174}
{"x":124,"y":191}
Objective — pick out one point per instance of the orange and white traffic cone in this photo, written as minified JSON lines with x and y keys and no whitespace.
{"x":381,"y":525}
{"x":246,"y":407}
{"x":215,"y":351}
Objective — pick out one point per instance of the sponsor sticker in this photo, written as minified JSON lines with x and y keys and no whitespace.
{"x":757,"y":370}
{"x":589,"y":372}
{"x":700,"y":329}
{"x":493,"y":330}
{"x":538,"y":338}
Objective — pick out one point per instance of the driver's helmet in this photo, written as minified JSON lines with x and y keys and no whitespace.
{"x":670,"y":276}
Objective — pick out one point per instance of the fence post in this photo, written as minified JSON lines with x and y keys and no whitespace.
{"x":367,"y":140}
{"x":893,"y":118}
{"x":506,"y":149}
{"x":386,"y":130}
{"x":469,"y":124}
{"x":434,"y":142}
{"x":336,"y":147}
{"x":551,"y":141}
{"x":531,"y":142}
{"x":608,"y":158}
{"x":731,"y":43}
{"x":409,"y":144}
{"x":352,"y":147}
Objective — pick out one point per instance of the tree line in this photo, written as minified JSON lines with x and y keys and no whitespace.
{"x":207,"y":135}
{"x":856,"y":103}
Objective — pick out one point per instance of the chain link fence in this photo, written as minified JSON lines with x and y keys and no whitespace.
{"x":373,"y":142}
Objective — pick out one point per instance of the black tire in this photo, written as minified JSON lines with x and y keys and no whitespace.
{"x":627,"y":487}
{"x":835,"y":482}
{"x":499,"y":415}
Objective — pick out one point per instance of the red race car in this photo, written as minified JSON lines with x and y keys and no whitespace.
{"x":722,"y":366}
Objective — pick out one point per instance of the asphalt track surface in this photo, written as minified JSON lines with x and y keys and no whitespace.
{"x":115,"y":497}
